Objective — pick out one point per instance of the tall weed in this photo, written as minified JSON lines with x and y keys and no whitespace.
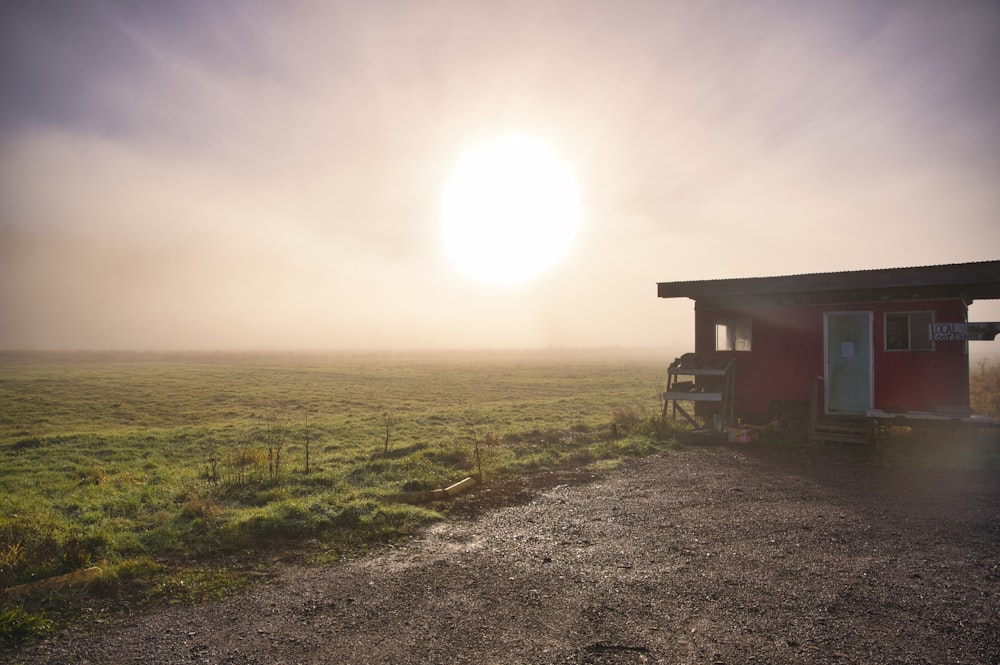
{"x":984,"y":389}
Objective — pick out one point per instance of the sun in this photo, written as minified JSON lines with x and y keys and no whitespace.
{"x":510,"y":210}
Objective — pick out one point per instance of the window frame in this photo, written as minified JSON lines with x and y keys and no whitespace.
{"x":742,"y":333}
{"x":909,"y":314}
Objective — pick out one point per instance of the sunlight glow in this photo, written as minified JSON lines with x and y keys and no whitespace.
{"x":510,"y":210}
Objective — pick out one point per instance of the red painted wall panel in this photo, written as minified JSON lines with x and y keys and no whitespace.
{"x":921,"y":380}
{"x":787,"y":355}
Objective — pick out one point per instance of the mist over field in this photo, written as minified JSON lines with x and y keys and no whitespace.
{"x":233,"y":176}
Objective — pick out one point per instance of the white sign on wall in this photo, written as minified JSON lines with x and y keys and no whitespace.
{"x":964,"y":332}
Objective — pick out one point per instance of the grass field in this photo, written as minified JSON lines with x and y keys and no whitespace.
{"x":184,"y":476}
{"x":157,"y":468}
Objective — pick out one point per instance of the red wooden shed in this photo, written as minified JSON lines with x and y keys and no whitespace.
{"x":860,"y":343}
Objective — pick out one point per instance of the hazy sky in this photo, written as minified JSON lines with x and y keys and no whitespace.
{"x":202,"y":174}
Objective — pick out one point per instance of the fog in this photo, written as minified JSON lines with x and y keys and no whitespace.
{"x":232,"y":175}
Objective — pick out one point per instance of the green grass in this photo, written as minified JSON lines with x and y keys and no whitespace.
{"x":176,"y":473}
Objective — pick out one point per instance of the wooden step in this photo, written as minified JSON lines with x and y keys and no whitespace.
{"x":845,"y":432}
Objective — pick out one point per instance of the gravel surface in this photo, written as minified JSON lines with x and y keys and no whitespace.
{"x":701,"y":555}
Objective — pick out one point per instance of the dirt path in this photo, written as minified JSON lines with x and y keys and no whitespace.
{"x":704,"y":555}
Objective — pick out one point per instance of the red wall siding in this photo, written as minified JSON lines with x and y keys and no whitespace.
{"x":921,"y":380}
{"x":787,"y":355}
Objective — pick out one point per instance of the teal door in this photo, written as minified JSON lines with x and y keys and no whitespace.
{"x":848,"y":361}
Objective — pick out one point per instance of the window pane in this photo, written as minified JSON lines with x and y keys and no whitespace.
{"x":733,"y":335}
{"x":920,"y":330}
{"x":721,"y":337}
{"x":897,"y":332}
{"x":741,"y":334}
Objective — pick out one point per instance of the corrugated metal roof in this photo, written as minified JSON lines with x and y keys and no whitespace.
{"x":972,"y":281}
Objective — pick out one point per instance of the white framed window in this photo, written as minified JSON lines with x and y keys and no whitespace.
{"x":908,"y":331}
{"x":733,"y":334}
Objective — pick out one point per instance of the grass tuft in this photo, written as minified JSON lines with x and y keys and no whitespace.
{"x":18,"y":625}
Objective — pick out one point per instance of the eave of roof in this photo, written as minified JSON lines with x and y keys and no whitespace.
{"x":969,"y":281}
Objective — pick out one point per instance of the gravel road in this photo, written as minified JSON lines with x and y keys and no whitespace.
{"x":700,"y":555}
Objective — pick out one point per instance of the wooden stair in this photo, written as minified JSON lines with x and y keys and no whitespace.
{"x":845,"y":431}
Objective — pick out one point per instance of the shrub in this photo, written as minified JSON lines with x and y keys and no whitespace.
{"x":361,"y":519}
{"x":244,"y":464}
{"x":624,"y":418}
{"x":18,"y":625}
{"x":196,"y":506}
{"x":92,"y":475}
{"x":627,"y":414}
{"x":137,"y":568}
{"x":29,"y":545}
{"x":657,"y":428}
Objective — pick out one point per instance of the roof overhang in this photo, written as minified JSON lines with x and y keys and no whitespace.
{"x":968,"y":281}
